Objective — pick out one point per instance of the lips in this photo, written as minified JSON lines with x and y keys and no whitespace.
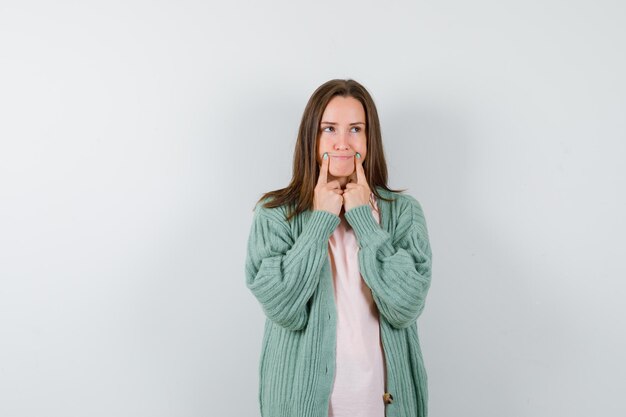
{"x":342,"y":157}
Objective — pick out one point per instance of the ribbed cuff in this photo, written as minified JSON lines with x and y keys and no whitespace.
{"x":321,"y":224}
{"x":363,"y":222}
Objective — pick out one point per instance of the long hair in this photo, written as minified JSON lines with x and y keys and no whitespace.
{"x":298,"y":195}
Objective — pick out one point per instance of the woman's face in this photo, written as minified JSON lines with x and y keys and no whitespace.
{"x":342,"y":135}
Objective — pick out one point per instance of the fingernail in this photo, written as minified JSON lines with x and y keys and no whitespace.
{"x":325,"y":155}
{"x":358,"y":155}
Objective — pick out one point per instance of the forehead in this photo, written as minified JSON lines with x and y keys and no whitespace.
{"x":344,"y":109}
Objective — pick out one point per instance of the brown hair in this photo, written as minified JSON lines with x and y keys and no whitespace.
{"x":298,"y":195}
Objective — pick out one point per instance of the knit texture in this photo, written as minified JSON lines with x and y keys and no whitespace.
{"x":288,"y":271}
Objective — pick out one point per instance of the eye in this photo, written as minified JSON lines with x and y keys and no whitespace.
{"x":355,"y":129}
{"x":328,"y":129}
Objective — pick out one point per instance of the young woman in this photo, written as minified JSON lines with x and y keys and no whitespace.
{"x":341,"y":265}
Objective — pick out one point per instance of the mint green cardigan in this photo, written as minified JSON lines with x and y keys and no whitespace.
{"x":288,"y":270}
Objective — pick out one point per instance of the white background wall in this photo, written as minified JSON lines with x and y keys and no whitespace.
{"x":135,"y":137}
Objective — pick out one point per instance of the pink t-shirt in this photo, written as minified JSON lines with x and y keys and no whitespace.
{"x":359,"y":382}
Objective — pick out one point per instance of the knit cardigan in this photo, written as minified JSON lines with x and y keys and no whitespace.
{"x":288,"y":270}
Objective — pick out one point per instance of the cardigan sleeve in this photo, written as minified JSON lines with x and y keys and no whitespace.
{"x":283,"y":272}
{"x":397,"y":269}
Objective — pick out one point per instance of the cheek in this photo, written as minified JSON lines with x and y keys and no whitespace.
{"x":320,"y":152}
{"x":361,"y":146}
{"x":321,"y":148}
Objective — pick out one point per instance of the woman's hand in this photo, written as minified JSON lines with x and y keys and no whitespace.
{"x":357,"y":193}
{"x":327,"y":195}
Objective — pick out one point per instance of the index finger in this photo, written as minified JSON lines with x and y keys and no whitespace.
{"x":323,"y":178}
{"x":360,"y":172}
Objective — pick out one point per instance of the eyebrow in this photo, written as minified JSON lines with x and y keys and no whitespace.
{"x":351,"y":124}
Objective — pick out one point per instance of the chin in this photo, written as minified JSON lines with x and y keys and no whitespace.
{"x":344,"y":173}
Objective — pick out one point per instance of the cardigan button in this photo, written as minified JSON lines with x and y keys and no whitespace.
{"x":387,"y":398}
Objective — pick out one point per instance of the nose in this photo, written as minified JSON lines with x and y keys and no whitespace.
{"x":342,"y":141}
